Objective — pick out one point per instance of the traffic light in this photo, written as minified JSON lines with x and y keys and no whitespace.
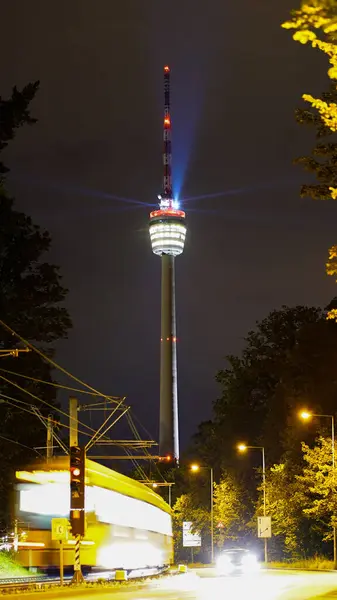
{"x":77,"y":490}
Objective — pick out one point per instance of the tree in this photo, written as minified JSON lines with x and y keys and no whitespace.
{"x":261,"y":388}
{"x":319,"y":482}
{"x":194,"y":506}
{"x":31,"y":303}
{"x":229,"y":512}
{"x":316,"y":23}
{"x":284,"y":498}
{"x":15,"y":113}
{"x":189,"y":507}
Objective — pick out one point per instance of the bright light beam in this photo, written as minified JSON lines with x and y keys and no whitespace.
{"x":241,"y":190}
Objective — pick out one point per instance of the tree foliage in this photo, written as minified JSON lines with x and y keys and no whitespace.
{"x":315,"y":23}
{"x":32,"y":303}
{"x":229,"y":512}
{"x":287,"y":362}
{"x":194,"y":506}
{"x":319,"y":484}
{"x":14,"y":113}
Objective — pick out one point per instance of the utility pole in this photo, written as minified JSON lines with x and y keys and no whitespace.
{"x":76,"y":472}
{"x":16,"y":536}
{"x":73,"y":421}
{"x":49,"y":438}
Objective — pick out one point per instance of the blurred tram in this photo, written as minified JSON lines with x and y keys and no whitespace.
{"x":128,"y":526}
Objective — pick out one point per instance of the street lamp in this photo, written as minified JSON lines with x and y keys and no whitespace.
{"x":306,"y":415}
{"x":243,"y":448}
{"x":157,"y":484}
{"x":195,"y":468}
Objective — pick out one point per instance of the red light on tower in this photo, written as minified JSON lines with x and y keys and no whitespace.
{"x":167,"y":69}
{"x":167,"y":121}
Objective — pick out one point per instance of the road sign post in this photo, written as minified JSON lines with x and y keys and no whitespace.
{"x":59,"y":531}
{"x":190,"y":540}
{"x":61,"y":562}
{"x":264,"y":527}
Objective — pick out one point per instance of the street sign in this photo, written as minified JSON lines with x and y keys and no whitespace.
{"x":59,"y":529}
{"x":190,"y":539}
{"x":264,"y":527}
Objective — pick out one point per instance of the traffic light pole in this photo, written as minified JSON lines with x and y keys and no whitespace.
{"x":77,"y":488}
{"x":73,"y":422}
{"x":49,"y":438}
{"x":77,"y":577}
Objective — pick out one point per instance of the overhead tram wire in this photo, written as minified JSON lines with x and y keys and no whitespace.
{"x":52,"y":362}
{"x":54,"y":408}
{"x":16,"y":404}
{"x":64,"y":371}
{"x":137,"y":436}
{"x":56,"y":385}
{"x":118,"y":407}
{"x":2,"y":437}
{"x":95,"y":439}
{"x":59,"y":385}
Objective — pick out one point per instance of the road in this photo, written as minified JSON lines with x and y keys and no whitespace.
{"x":203,"y":584}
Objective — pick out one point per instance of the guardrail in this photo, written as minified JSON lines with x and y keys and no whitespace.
{"x":38,"y":582}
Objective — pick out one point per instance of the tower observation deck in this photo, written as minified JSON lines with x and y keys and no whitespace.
{"x":167,"y":234}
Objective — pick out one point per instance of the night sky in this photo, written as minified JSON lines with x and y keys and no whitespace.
{"x":236,"y":80}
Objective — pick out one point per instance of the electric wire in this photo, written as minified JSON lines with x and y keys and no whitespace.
{"x":54,"y":408}
{"x":137,"y":436}
{"x":2,"y":437}
{"x":58,"y":385}
{"x":14,"y":402}
{"x":52,"y":362}
{"x":67,"y":373}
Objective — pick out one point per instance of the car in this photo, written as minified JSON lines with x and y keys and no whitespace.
{"x":237,"y":561}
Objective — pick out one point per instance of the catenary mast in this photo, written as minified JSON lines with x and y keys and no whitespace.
{"x":167,"y":233}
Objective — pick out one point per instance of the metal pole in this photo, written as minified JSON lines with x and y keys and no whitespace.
{"x":73,"y":422}
{"x":61,"y":562}
{"x":333,"y":485}
{"x":16,"y":536}
{"x":264,"y":501}
{"x":212,"y":520}
{"x":49,"y":438}
{"x":169,"y":496}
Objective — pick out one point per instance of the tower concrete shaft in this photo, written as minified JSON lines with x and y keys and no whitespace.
{"x":168,"y":426}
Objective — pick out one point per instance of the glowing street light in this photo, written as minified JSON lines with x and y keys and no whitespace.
{"x":306,"y":416}
{"x":195,"y":468}
{"x":243,"y":448}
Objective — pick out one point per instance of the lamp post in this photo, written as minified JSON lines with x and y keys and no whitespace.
{"x":195,"y":468}
{"x":157,"y":484}
{"x":244,"y":448}
{"x":306,"y":415}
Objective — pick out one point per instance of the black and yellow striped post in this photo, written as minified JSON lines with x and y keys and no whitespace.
{"x":78,"y":577}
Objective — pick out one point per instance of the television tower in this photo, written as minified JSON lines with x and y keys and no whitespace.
{"x":167,"y":233}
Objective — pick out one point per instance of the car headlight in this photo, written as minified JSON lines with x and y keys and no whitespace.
{"x":223,"y":562}
{"x":250,"y":562}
